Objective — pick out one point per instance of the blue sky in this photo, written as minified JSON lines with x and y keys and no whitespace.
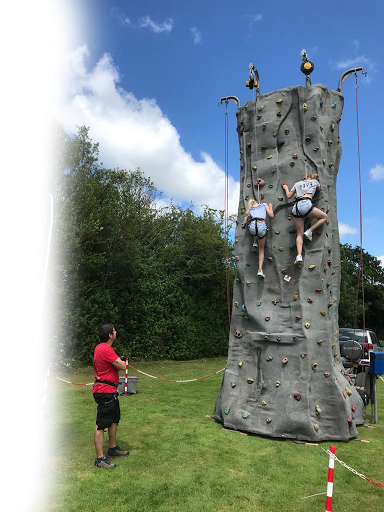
{"x":147,"y":76}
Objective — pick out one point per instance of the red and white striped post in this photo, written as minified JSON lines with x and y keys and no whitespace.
{"x":126,"y":376}
{"x":38,"y":423}
{"x":328,"y":504}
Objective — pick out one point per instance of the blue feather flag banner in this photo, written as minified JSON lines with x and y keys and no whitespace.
{"x":41,"y":256}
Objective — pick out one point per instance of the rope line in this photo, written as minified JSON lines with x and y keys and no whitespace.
{"x":370,"y":480}
{"x":226,"y":222}
{"x":361,"y":263}
{"x":148,"y":375}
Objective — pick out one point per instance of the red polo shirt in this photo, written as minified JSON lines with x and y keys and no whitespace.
{"x":103,"y":368}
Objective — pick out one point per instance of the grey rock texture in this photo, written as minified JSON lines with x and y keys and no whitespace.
{"x":284,"y":378}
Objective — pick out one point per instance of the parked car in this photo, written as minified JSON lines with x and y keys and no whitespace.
{"x":356,"y":345}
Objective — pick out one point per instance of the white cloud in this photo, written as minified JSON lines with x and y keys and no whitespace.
{"x":134,"y":132}
{"x":253,"y":18}
{"x":196,"y":35}
{"x":356,"y":45}
{"x":366,"y":62}
{"x":381,"y":259}
{"x":377,"y":173}
{"x":147,"y":22}
{"x":124,"y":19}
{"x":345,"y":229}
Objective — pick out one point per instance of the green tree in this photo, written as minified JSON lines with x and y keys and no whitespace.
{"x":373,"y":290}
{"x":159,"y":275}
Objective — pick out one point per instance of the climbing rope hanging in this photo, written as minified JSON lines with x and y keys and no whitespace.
{"x":236,"y":100}
{"x":360,"y":276}
{"x":226,"y":223}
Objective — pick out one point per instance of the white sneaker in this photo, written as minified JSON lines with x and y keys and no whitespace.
{"x":299,"y":261}
{"x":308,"y":235}
{"x":260,"y":273}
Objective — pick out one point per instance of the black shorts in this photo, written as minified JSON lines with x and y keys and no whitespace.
{"x":108,"y":409}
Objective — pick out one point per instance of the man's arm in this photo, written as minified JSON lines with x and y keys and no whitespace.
{"x":119,"y":364}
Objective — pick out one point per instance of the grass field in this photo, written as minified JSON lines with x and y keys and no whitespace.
{"x":181,"y":460}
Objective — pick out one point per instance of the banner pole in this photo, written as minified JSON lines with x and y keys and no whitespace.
{"x":328,"y":504}
{"x":126,"y":376}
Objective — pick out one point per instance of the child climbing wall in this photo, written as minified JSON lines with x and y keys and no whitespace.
{"x":255,"y":220}
{"x":284,"y":378}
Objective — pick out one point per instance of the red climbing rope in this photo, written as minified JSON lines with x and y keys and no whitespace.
{"x":361,"y":266}
{"x":226,"y":223}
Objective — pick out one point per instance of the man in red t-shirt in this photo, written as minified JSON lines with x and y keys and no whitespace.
{"x":106,"y":366}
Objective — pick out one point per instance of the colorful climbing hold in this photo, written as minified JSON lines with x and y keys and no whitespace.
{"x":270,"y":258}
{"x":295,"y":297}
{"x":259,"y":303}
{"x":298,"y":317}
{"x":283,"y":270}
{"x":329,"y":262}
{"x":309,"y":300}
{"x":292,"y":164}
{"x":287,"y":278}
{"x":294,"y":338}
{"x":316,"y":426}
{"x":326,"y":374}
{"x":305,"y":107}
{"x":279,"y":101}
{"x":348,"y":391}
{"x":264,"y":147}
{"x":278,"y":383}
{"x":246,"y":415}
{"x":280,"y":143}
{"x":226,"y":410}
{"x":319,"y":342}
{"x":236,"y":304}
{"x":278,"y":338}
{"x":313,"y":118}
{"x":289,"y":217}
{"x":311,"y":267}
{"x":269,"y":157}
{"x":318,"y":290}
{"x":248,"y":263}
{"x":353,"y":408}
{"x":316,"y":148}
{"x":314,"y":366}
{"x":275,"y":301}
{"x":266,"y":338}
{"x":250,"y":381}
{"x":284,"y":360}
{"x":269,"y":420}
{"x":286,"y":132}
{"x":330,"y":143}
{"x":263,"y":402}
{"x":237,"y":258}
{"x":254,"y":167}
{"x":278,"y":114}
{"x":248,"y":283}
{"x":323,"y":313}
{"x":295,"y":156}
{"x":267,"y":318}
{"x":281,"y":248}
{"x":333,"y":105}
{"x":269,"y":358}
{"x":303,"y":355}
{"x":308,"y":138}
{"x":264,"y":126}
{"x":324,"y":161}
{"x":307,"y":325}
{"x":292,"y":247}
{"x":332,"y":127}
{"x":238,"y":333}
{"x":297,"y":396}
{"x":233,"y":384}
{"x":275,"y":134}
{"x":244,"y":308}
{"x":249,"y":145}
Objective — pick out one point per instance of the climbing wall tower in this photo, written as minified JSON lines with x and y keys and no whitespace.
{"x":284,"y":378}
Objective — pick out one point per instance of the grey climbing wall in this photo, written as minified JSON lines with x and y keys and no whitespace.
{"x":284,"y":378}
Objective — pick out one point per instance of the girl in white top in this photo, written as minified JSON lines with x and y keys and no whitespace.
{"x":255,"y":219}
{"x":303,"y":207}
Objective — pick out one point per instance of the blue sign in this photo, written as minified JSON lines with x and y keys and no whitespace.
{"x":41,"y":256}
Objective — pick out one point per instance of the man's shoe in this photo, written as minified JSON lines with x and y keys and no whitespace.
{"x":260,"y":273}
{"x":104,"y":463}
{"x":308,"y":235}
{"x":117,"y":452}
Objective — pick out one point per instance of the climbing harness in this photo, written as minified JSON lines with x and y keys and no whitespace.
{"x":97,"y":381}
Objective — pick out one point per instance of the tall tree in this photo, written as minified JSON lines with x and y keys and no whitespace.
{"x":351,"y":304}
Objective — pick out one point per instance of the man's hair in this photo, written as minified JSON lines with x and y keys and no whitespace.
{"x":104,"y":332}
